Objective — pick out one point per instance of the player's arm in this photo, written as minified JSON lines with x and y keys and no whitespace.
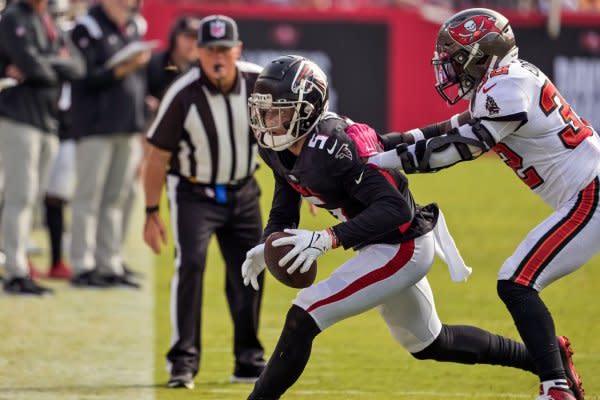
{"x":464,"y":143}
{"x":387,"y":209}
{"x":393,"y":139}
{"x":285,"y":208}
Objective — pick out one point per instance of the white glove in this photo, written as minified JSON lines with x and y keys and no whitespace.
{"x":308,"y":245}
{"x":253,"y":265}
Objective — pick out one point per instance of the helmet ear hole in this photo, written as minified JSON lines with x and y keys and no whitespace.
{"x":308,"y":109}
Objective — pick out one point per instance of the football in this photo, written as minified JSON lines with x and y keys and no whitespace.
{"x":274,"y":254}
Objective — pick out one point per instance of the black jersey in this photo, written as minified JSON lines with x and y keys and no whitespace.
{"x":374,"y":204}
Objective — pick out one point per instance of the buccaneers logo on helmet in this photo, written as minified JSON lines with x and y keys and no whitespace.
{"x":473,"y":29}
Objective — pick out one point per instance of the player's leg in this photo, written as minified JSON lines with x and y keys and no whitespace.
{"x":414,"y":323}
{"x":558,"y":246}
{"x":361,"y":283}
{"x":242,"y":232}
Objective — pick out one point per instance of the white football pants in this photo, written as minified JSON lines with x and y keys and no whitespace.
{"x":389,"y":277}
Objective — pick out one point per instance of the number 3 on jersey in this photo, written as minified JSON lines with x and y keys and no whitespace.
{"x":528,"y":175}
{"x":575,"y":130}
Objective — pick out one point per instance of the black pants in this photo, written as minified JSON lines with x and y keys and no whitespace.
{"x":238,"y":226}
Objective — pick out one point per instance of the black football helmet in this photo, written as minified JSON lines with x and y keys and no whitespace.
{"x":467,"y":45}
{"x":291,"y":94}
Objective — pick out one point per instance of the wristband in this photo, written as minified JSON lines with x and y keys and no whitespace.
{"x":454,"y":121}
{"x":152,"y":209}
{"x":335,"y":242}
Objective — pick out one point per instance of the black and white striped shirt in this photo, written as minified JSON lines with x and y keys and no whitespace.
{"x":207,"y":131}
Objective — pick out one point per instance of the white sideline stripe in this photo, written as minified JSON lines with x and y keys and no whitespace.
{"x":359,"y":393}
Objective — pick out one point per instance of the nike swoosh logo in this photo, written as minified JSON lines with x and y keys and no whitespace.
{"x":331,"y":150}
{"x":359,"y":179}
{"x":487,"y":89}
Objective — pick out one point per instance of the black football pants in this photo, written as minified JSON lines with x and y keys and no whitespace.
{"x":238,"y":226}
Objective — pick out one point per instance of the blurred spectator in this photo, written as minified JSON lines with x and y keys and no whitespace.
{"x":62,"y":176}
{"x":166,"y":65}
{"x":32,"y":52}
{"x":107,"y":114}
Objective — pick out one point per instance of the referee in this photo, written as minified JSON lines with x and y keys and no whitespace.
{"x":201,"y":143}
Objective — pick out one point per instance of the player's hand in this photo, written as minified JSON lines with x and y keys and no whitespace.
{"x":308,"y":245}
{"x":365,"y":139}
{"x":155,"y":233}
{"x":253,"y":265}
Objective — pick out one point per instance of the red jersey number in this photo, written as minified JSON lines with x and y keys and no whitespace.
{"x":528,"y":175}
{"x":575,"y":130}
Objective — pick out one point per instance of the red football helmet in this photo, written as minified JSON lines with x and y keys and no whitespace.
{"x":467,"y":45}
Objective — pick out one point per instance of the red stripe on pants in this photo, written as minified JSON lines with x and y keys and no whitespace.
{"x":401,"y":258}
{"x":560,"y":234}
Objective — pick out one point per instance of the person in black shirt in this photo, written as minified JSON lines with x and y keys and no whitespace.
{"x":32,"y":52}
{"x":107,"y":115}
{"x":312,"y":156}
{"x":176,"y":59}
{"x":201,"y":144}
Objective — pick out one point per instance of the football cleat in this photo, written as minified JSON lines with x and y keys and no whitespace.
{"x":557,"y":394}
{"x":573,"y":378}
{"x":181,"y":380}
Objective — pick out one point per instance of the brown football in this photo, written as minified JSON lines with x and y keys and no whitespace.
{"x":274,"y":254}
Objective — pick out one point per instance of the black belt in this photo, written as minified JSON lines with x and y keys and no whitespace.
{"x":232,"y":185}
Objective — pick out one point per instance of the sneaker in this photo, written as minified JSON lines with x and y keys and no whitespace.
{"x":89,"y":279}
{"x":246,"y":373}
{"x":25,"y":286}
{"x":573,"y":378}
{"x":34,"y":272}
{"x":181,"y":380}
{"x":60,"y":270}
{"x":120,"y":280}
{"x":556,"y":393}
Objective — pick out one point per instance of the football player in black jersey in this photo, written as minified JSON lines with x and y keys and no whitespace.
{"x":312,"y":156}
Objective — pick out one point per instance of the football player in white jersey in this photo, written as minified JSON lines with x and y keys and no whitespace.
{"x":516,"y":111}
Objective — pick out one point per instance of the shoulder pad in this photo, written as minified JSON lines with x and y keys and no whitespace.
{"x":501,"y":96}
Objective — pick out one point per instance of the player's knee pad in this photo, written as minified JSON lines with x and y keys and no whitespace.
{"x":512,"y":292}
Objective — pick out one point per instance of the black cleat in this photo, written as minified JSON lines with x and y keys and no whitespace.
{"x":89,"y":279}
{"x":246,"y":373}
{"x":25,"y":286}
{"x":181,"y":380}
{"x":115,"y":280}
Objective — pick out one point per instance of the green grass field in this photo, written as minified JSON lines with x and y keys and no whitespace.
{"x":111,"y":345}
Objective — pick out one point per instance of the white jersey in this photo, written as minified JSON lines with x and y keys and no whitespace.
{"x":555,"y":152}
